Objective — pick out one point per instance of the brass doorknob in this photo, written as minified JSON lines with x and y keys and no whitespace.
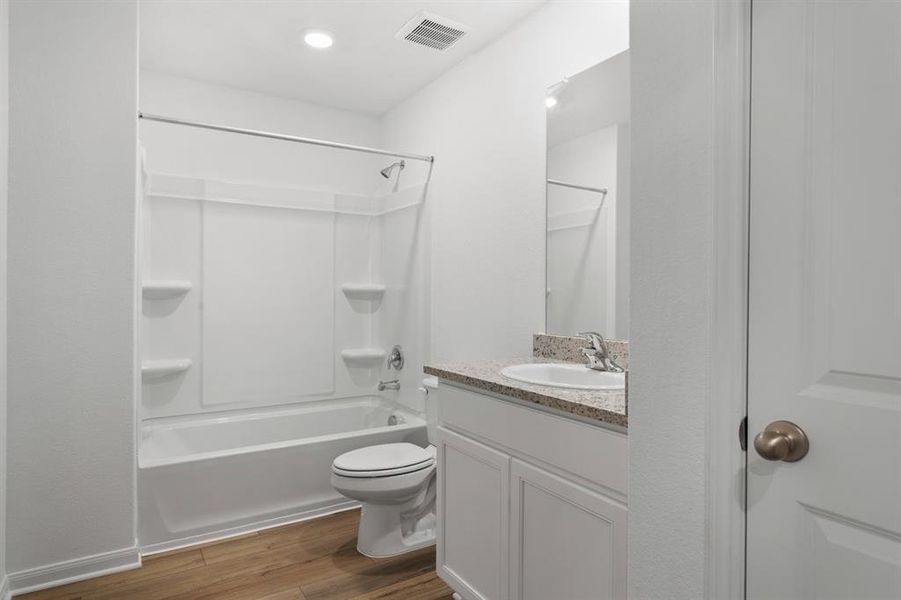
{"x":782,"y":440}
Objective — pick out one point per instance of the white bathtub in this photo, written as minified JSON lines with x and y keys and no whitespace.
{"x":205,"y":478}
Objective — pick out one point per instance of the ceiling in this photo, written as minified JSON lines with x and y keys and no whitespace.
{"x":258,"y":45}
{"x":593,"y":99}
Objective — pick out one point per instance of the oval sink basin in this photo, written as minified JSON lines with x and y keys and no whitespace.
{"x":565,"y":376}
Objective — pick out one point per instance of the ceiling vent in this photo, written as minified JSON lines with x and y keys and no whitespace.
{"x":427,"y":29}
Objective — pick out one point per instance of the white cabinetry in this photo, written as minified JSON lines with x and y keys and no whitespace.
{"x":473,"y":491}
{"x":566,"y":541}
{"x":531,"y":505}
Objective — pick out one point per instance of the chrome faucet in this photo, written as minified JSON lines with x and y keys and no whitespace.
{"x":598,"y":354}
{"x":396,"y":358}
{"x":394,"y":384}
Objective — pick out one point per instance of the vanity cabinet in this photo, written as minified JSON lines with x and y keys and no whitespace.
{"x":531,"y":504}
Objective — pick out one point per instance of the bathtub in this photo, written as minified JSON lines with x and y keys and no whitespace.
{"x":211,"y":477}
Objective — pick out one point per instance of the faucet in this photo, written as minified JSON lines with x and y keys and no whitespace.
{"x":396,"y":358}
{"x":394,"y":384}
{"x":598,"y":354}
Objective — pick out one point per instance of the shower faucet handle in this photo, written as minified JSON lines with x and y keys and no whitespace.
{"x":396,"y":358}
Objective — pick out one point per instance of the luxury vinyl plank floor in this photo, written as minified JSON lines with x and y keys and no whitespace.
{"x":314,"y":560}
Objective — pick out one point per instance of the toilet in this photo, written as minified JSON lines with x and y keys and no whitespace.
{"x":395,"y":483}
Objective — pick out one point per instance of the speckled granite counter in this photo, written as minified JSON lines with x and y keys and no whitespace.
{"x":601,"y":405}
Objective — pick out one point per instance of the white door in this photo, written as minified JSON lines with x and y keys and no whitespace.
{"x":825,"y":299}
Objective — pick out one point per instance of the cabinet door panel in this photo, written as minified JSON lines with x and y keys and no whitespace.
{"x":567,"y":542}
{"x":473,"y":517}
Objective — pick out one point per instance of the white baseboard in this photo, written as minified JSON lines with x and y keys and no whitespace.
{"x":70,"y":571}
{"x":224,"y":534}
{"x":48,"y":576}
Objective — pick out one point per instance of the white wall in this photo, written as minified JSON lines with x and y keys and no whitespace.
{"x":71,"y":463}
{"x":4,"y":163}
{"x":672,"y":261}
{"x":180,"y":150}
{"x":485,"y":122}
{"x":581,"y":240}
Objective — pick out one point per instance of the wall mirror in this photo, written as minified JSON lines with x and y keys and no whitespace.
{"x":588,"y":201}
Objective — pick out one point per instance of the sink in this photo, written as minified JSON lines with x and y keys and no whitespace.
{"x":571,"y":376}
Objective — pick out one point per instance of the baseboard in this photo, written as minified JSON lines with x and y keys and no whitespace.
{"x":48,"y":576}
{"x":71,"y":571}
{"x":224,"y":534}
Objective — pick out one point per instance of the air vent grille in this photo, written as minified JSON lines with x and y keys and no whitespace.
{"x":433,"y":31}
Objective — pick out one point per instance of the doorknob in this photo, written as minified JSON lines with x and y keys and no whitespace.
{"x":782,"y":440}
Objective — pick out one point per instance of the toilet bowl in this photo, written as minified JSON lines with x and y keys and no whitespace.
{"x":395,"y":483}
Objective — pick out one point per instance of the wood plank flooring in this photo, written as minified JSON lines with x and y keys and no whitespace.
{"x":314,"y":560}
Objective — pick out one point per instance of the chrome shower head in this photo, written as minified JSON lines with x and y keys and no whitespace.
{"x":386,"y":172}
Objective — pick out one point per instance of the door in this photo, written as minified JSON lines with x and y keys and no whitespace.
{"x":566,"y":541}
{"x":825,"y":300}
{"x":473,"y":517}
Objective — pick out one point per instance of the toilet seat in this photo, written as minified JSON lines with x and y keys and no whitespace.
{"x":383,"y":472}
{"x":384,"y":460}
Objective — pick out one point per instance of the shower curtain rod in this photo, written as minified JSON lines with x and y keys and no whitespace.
{"x":285,"y":138}
{"x":576,"y":186}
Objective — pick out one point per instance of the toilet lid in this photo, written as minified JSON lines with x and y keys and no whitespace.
{"x":396,"y":458}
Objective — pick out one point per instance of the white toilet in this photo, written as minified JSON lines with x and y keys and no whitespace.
{"x":395,"y":483}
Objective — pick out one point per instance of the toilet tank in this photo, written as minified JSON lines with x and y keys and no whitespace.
{"x":430,"y":389}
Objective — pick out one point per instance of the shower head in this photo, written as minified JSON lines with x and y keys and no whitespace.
{"x":386,"y":172}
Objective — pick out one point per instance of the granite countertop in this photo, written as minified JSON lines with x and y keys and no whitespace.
{"x":607,"y":406}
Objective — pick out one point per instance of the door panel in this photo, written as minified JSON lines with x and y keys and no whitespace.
{"x":825,"y":298}
{"x":847,"y":558}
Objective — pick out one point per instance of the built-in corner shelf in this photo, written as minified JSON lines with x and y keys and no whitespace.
{"x":363,"y":291}
{"x":363,"y":357}
{"x":165,"y":288}
{"x":155,"y":369}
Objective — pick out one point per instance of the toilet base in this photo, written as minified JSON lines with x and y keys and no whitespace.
{"x":386,"y":531}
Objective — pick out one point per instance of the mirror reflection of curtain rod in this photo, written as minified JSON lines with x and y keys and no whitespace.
{"x":576,"y":186}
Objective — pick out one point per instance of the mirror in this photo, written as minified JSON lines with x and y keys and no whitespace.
{"x":588,"y":201}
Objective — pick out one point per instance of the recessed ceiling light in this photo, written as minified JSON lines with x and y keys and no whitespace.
{"x":316,"y":38}
{"x":550,"y":102}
